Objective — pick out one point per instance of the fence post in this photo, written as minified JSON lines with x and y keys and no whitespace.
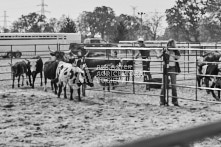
{"x":196,"y":75}
{"x":35,"y":49}
{"x":11,"y":54}
{"x":165,"y":79}
{"x":188,"y":59}
{"x":133,"y":52}
{"x":108,"y":67}
{"x":184,"y":64}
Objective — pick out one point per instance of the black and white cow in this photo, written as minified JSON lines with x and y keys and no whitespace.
{"x":70,"y":75}
{"x":19,"y":69}
{"x":36,"y":66}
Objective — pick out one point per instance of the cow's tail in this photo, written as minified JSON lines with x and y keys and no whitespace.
{"x":55,"y":80}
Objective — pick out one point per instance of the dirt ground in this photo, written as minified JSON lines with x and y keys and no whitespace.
{"x":32,"y":117}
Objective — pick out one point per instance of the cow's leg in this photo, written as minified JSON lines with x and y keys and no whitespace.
{"x":45,"y":87}
{"x":34,"y":76}
{"x":212,"y":91}
{"x":52,"y":85}
{"x":26,"y":79}
{"x":65,"y":95}
{"x":128,"y":76}
{"x":79,"y":94}
{"x":29,"y":77}
{"x":13,"y":81}
{"x":19,"y":81}
{"x":22,"y":82}
{"x":59,"y":89}
{"x":41,"y":78}
{"x":71,"y":93}
{"x":199,"y":80}
{"x":55,"y":87}
{"x":207,"y":84}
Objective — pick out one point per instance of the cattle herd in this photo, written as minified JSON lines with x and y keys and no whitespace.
{"x":65,"y":69}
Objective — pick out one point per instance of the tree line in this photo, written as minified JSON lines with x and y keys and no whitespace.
{"x":187,"y":20}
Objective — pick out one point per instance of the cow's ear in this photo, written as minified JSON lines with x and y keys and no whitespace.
{"x":52,"y":54}
{"x":27,"y":61}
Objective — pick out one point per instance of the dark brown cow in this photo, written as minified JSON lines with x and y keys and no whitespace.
{"x":50,"y":73}
{"x":20,"y":69}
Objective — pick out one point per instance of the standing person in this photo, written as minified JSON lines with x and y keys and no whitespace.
{"x":145,"y":54}
{"x":172,"y":67}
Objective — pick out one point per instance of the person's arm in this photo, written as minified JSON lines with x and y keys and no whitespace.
{"x":136,"y":56}
{"x":159,"y":53}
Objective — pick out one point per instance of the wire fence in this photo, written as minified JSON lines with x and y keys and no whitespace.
{"x":186,"y":79}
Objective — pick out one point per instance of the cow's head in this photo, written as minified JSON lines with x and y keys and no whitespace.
{"x":199,"y":61}
{"x":77,"y":76}
{"x":33,"y":64}
{"x":60,"y":55}
{"x":67,"y":56}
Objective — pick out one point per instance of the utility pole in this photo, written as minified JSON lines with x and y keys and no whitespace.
{"x":43,"y":8}
{"x":41,"y":24}
{"x":134,"y":9}
{"x":141,"y":27}
{"x":4,"y":21}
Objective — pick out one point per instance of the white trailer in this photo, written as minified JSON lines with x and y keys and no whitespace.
{"x":15,"y":44}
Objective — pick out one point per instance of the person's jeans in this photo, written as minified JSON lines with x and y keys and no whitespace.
{"x":173,"y":85}
{"x":146,"y":67}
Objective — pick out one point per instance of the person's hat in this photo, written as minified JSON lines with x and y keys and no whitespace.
{"x":140,"y":40}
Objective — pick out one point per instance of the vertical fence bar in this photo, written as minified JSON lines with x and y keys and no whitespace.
{"x":188,"y":58}
{"x":133,"y":52}
{"x":196,"y":75}
{"x":110,"y":75}
{"x":184,"y":64}
{"x":165,"y":88}
{"x":35,"y":49}
{"x":11,"y":54}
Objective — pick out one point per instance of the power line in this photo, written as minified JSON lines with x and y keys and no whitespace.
{"x":43,"y":8}
{"x":5,"y":19}
{"x":134,"y":10}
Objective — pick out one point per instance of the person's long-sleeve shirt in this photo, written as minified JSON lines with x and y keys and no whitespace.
{"x":173,"y":56}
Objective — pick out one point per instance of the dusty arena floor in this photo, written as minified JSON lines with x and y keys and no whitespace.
{"x":32,"y":117}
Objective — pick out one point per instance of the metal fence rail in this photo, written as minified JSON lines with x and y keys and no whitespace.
{"x":182,"y":138}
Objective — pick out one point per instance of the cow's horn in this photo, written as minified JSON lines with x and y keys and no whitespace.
{"x":86,"y":54}
{"x":67,"y":52}
{"x":50,"y":49}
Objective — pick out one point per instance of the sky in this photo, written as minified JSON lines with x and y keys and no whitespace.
{"x":72,"y":8}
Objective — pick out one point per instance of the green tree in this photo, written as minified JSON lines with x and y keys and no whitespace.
{"x":132,"y":25}
{"x":86,"y":23}
{"x":153,"y":25}
{"x":210,"y":28}
{"x":67,"y":25}
{"x":29,"y":23}
{"x":105,"y":20}
{"x":184,"y":18}
{"x":101,"y":21}
{"x":121,"y":32}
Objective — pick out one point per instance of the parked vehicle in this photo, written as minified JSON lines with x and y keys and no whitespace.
{"x":18,"y":44}
{"x":11,"y":54}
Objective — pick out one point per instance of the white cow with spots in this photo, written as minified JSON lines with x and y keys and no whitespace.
{"x":70,"y":75}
